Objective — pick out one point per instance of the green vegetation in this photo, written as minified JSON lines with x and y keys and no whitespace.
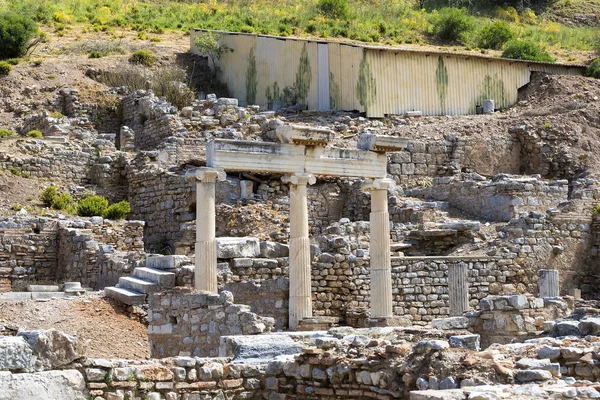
{"x":118,"y":210}
{"x":593,"y":69}
{"x":34,"y":134}
{"x":16,"y":31}
{"x":384,"y":21}
{"x":6,"y":133}
{"x":526,"y":50}
{"x":142,"y":57}
{"x":208,"y":44}
{"x":95,"y":54}
{"x":15,"y":171}
{"x":596,"y":210}
{"x":62,"y":201}
{"x":451,"y":24}
{"x":495,"y":35}
{"x":5,"y":68}
{"x":13,"y":61}
{"x":92,"y":206}
{"x":16,"y":207}
{"x":48,"y":195}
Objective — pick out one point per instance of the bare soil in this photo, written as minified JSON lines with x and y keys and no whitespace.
{"x":102,"y":325}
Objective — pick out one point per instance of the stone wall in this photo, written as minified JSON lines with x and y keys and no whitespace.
{"x":498,"y":200}
{"x":426,"y":159}
{"x":28,"y":252}
{"x":183,"y":322}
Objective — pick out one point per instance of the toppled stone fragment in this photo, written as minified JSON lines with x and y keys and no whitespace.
{"x":450,"y":323}
{"x":531,"y":375}
{"x":470,"y":342}
{"x":15,"y":354}
{"x":429,"y":345}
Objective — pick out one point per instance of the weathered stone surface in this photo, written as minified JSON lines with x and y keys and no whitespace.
{"x":63,"y":385}
{"x":273,"y":249}
{"x":232,"y":247}
{"x":470,"y":342}
{"x":567,"y":328}
{"x":427,"y":345}
{"x":531,"y":375}
{"x":590,"y":326}
{"x":15,"y":354}
{"x":53,"y":348}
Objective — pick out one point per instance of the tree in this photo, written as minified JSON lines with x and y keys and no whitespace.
{"x":16,"y":33}
{"x":208,"y":44}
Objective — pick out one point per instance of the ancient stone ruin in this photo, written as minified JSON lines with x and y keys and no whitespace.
{"x":308,"y":255}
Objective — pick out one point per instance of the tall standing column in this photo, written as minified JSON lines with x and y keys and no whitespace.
{"x":300,"y":266}
{"x":205,"y":272}
{"x":458,"y":289}
{"x":379,"y":249}
{"x":549,"y":286}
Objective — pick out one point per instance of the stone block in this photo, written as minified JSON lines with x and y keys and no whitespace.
{"x":15,"y":354}
{"x":470,"y":342}
{"x":233,"y":247}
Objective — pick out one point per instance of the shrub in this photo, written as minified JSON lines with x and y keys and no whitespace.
{"x":15,"y":171}
{"x":334,"y":8}
{"x":92,"y":206}
{"x":525,"y":50}
{"x":450,"y":24}
{"x":118,"y":210}
{"x":596,"y":210}
{"x":25,"y":174}
{"x":16,"y":207}
{"x":5,"y":68}
{"x":13,"y":61}
{"x":142,"y":57}
{"x":95,"y":54}
{"x":15,"y":33}
{"x":593,"y":69}
{"x":6,"y":133}
{"x":494,"y":35}
{"x":62,"y":201}
{"x":34,"y":134}
{"x":48,"y":195}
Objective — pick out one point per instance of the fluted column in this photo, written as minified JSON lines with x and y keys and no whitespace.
{"x":300,"y":266}
{"x":458,"y":289}
{"x":205,"y":271}
{"x":549,"y":286}
{"x":379,"y":249}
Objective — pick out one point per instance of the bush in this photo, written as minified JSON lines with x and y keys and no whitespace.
{"x":92,"y":206}
{"x":593,"y":69}
{"x":34,"y":134}
{"x":95,"y":54}
{"x":450,"y":24}
{"x":334,"y":8}
{"x":6,"y":133}
{"x":525,"y":50}
{"x":49,"y":195}
{"x":596,"y":210}
{"x":494,"y":35}
{"x":5,"y":68}
{"x":13,"y":61}
{"x":142,"y":57}
{"x":118,"y":210}
{"x":62,"y":201}
{"x":14,"y":171}
{"x":15,"y":33}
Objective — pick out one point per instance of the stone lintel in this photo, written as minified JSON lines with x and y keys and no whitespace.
{"x":306,"y":135}
{"x":204,"y":174}
{"x":378,"y":184}
{"x":299,"y":179}
{"x":381,"y":143}
{"x":333,"y":161}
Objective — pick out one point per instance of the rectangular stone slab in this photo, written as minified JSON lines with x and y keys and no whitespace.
{"x":236,"y":155}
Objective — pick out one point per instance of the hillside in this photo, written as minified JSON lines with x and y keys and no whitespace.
{"x":567,"y":29}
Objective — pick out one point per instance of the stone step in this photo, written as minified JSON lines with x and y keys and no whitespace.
{"x":160,"y":277}
{"x":125,"y":296}
{"x":138,"y":285}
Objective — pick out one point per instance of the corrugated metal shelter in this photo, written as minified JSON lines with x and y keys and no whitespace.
{"x":329,"y":75}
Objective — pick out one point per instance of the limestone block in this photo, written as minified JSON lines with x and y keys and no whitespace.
{"x":233,"y":247}
{"x":63,"y":385}
{"x":533,"y":375}
{"x":274,"y":249}
{"x":470,"y":342}
{"x":15,"y":354}
{"x":53,"y":348}
{"x":450,"y":323}
{"x":381,"y":143}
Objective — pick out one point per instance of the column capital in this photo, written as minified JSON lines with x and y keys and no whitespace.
{"x":300,"y":179}
{"x":378,"y":184}
{"x":205,"y":174}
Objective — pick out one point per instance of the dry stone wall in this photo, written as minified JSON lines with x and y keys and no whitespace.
{"x":183,"y":322}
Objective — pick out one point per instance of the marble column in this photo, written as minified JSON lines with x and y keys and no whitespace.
{"x":549,"y":286}
{"x":205,"y":272}
{"x":458,"y":289}
{"x":379,"y":248}
{"x":300,"y":306}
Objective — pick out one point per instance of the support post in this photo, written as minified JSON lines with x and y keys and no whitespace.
{"x":458,"y":289}
{"x":549,"y":286}
{"x":205,"y":271}
{"x":379,"y":249}
{"x":300,"y":306}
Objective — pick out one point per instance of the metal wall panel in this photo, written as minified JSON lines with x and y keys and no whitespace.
{"x":375,"y":80}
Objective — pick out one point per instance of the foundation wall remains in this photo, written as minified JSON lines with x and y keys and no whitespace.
{"x":183,"y":322}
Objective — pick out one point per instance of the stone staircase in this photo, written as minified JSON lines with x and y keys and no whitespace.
{"x":152,"y":278}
